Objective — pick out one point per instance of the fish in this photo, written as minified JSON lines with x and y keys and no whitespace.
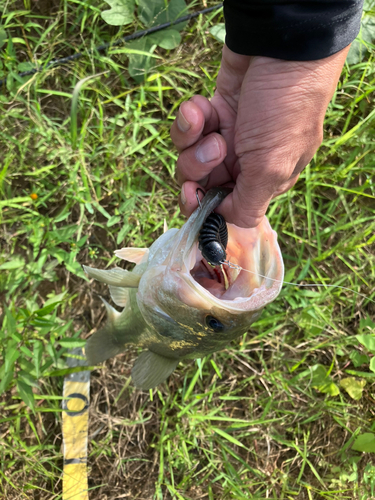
{"x":175,"y":305}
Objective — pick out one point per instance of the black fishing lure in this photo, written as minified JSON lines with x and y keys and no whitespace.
{"x":213,"y":239}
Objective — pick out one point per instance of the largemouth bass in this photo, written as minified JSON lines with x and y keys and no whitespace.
{"x":176,"y":305}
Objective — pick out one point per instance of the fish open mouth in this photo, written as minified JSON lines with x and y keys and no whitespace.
{"x":250,"y":249}
{"x":217,"y":280}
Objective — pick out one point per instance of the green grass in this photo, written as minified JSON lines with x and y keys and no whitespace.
{"x":267,"y":417}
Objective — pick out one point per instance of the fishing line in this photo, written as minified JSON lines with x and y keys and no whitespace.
{"x":105,"y":46}
{"x":236,"y":266}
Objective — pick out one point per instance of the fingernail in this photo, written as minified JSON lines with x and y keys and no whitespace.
{"x":203,"y":182}
{"x":182,"y":122}
{"x":182,"y":195}
{"x":208,"y":151}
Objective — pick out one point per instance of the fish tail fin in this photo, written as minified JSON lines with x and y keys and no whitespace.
{"x":103,"y":344}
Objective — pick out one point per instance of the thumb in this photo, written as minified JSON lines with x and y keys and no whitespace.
{"x":253,"y":191}
{"x":241,"y":212}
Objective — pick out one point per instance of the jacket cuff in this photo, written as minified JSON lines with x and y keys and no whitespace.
{"x":296,"y":31}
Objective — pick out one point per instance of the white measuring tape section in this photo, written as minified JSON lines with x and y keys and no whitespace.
{"x":75,"y":418}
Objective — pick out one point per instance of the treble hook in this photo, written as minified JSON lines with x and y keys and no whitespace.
{"x":196,"y":194}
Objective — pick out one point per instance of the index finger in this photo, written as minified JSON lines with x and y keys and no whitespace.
{"x":195,"y":117}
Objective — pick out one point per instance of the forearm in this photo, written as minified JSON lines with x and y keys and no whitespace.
{"x":297,"y":31}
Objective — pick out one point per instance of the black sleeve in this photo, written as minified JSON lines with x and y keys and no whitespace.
{"x":299,"y":31}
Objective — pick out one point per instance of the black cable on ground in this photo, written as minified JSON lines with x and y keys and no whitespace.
{"x":105,"y":46}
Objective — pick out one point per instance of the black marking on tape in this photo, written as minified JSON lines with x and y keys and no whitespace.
{"x":69,"y":461}
{"x":72,"y":396}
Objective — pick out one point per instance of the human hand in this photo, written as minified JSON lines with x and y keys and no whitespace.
{"x":258,"y":132}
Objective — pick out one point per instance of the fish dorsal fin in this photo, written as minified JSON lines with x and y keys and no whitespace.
{"x":151,"y":369}
{"x":165,"y":226}
{"x":114,"y":277}
{"x":119,"y":295}
{"x":132,"y":254}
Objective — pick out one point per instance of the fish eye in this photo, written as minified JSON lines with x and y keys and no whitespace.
{"x":215,"y":324}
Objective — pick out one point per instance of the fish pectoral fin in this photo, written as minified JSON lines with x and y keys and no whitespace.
{"x":151,"y":369}
{"x":132,"y":254}
{"x":114,"y":277}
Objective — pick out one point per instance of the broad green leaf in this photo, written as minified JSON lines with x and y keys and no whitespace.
{"x":113,"y":220}
{"x":102,"y":210}
{"x":27,"y":377}
{"x":329,"y":388}
{"x":11,"y":325}
{"x":290,"y":273}
{"x":372,"y":364}
{"x":76,"y":269}
{"x":123,"y":231}
{"x":167,"y":39}
{"x":37,"y":355}
{"x":358,"y":48}
{"x":3,"y":171}
{"x":139,"y":64}
{"x":6,"y":376}
{"x":26,"y":394}
{"x":358,"y":359}
{"x":319,"y":380}
{"x":176,"y":9}
{"x":353,"y":387}
{"x":121,"y":12}
{"x":319,"y":375}
{"x":82,"y":241}
{"x":64,"y":215}
{"x":11,"y":354}
{"x":368,"y":5}
{"x":310,"y":322}
{"x":365,"y":442}
{"x":55,"y":299}
{"x":304,"y":271}
{"x":156,"y":12}
{"x":6,"y":372}
{"x":3,"y":36}
{"x":62,"y":234}
{"x":366,"y":324}
{"x":368,"y":341}
{"x":15,"y":263}
{"x":26,"y":351}
{"x":25,"y":66}
{"x":89,"y":208}
{"x":148,"y":11}
{"x":46,"y":309}
{"x":218,"y":32}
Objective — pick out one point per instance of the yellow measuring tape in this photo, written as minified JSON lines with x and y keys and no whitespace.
{"x":75,"y":418}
